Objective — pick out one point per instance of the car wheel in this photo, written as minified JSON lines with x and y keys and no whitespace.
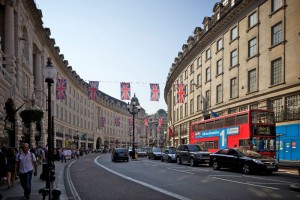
{"x":169,"y":160}
{"x":246,"y":169}
{"x":162,"y":159}
{"x":178,"y":161}
{"x":192,"y":162}
{"x":215,"y":165}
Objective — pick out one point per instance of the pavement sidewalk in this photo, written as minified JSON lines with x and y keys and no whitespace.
{"x":16,"y":192}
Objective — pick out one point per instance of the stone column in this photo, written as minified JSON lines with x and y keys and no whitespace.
{"x":38,"y":80}
{"x":9,"y":34}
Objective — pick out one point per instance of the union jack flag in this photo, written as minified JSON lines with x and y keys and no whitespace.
{"x":155,"y":92}
{"x":125,"y":91}
{"x":170,"y":132}
{"x":117,"y":121}
{"x":160,"y":122}
{"x":130,"y":121}
{"x":139,"y":130}
{"x":102,"y":122}
{"x":181,"y":92}
{"x":146,"y":122}
{"x":92,"y":89}
{"x":61,"y":88}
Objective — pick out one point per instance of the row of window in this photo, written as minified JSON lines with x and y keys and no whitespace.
{"x":277,"y":38}
{"x":205,"y":102}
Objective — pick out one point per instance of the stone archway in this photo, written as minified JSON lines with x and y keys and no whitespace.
{"x":99,"y":143}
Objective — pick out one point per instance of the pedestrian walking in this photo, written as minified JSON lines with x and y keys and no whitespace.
{"x":10,"y":167}
{"x":26,"y":165}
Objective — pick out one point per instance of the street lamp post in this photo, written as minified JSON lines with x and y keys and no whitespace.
{"x":133,"y":108}
{"x":50,"y":74}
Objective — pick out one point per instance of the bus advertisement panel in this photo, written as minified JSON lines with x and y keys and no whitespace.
{"x":252,"y":129}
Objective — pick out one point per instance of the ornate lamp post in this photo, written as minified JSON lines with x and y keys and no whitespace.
{"x":50,"y":74}
{"x":133,"y":108}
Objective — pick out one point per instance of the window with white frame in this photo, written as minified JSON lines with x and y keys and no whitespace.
{"x":276,"y":34}
{"x":252,"y":20}
{"x":181,"y":112}
{"x":234,"y":58}
{"x":191,"y":106}
{"x":199,"y":62}
{"x":219,"y":67}
{"x":252,"y":47}
{"x":234,"y":33}
{"x":207,"y":74}
{"x":207,"y":98}
{"x":198,"y":102}
{"x":276,"y":71}
{"x":277,"y":107}
{"x":192,"y":86}
{"x":233,"y":88}
{"x":219,"y":44}
{"x":276,"y":4}
{"x":191,"y":68}
{"x":219,"y":94}
{"x":208,"y":54}
{"x":185,"y":74}
{"x":225,"y":2}
{"x":252,"y":83}
{"x":185,"y":109}
{"x":199,"y":80}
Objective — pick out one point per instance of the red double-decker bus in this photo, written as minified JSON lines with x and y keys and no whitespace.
{"x":251,"y":129}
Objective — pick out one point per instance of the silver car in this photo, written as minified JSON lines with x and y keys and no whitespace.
{"x":169,"y":155}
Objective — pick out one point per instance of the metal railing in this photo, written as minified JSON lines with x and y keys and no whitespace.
{"x":289,"y":115}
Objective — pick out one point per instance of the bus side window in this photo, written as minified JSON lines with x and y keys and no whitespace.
{"x":230,"y":121}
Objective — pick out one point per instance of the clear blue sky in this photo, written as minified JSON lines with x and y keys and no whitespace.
{"x":113,"y":41}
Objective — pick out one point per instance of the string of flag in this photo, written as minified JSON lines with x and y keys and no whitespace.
{"x":125,"y":90}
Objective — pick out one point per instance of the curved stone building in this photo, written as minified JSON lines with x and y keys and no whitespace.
{"x":247,"y":55}
{"x":25,"y":48}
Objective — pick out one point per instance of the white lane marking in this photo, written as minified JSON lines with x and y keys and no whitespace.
{"x":183,"y":171}
{"x":73,"y":190}
{"x":226,"y":175}
{"x":150,"y":164}
{"x":246,"y":183}
{"x":143,"y":183}
{"x":267,"y":179}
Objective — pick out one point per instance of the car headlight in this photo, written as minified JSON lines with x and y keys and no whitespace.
{"x":257,"y":161}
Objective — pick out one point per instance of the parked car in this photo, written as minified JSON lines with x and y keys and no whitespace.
{"x":192,"y":154}
{"x":168,"y":154}
{"x":119,"y":154}
{"x":154,"y":153}
{"x":141,"y":152}
{"x":247,"y":161}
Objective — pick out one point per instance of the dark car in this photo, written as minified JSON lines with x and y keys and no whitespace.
{"x":119,"y":154}
{"x":154,"y":153}
{"x":192,"y":154}
{"x":168,"y":154}
{"x":247,"y":161}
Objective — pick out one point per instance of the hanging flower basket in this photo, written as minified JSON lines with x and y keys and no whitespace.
{"x":31,"y":115}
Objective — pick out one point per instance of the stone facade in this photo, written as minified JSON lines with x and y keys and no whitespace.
{"x":245,"y":56}
{"x":25,"y":47}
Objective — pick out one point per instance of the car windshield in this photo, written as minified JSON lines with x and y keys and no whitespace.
{"x":195,"y":148}
{"x":249,"y":153}
{"x":156,"y":149}
{"x":172,"y":151}
{"x":121,"y":150}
